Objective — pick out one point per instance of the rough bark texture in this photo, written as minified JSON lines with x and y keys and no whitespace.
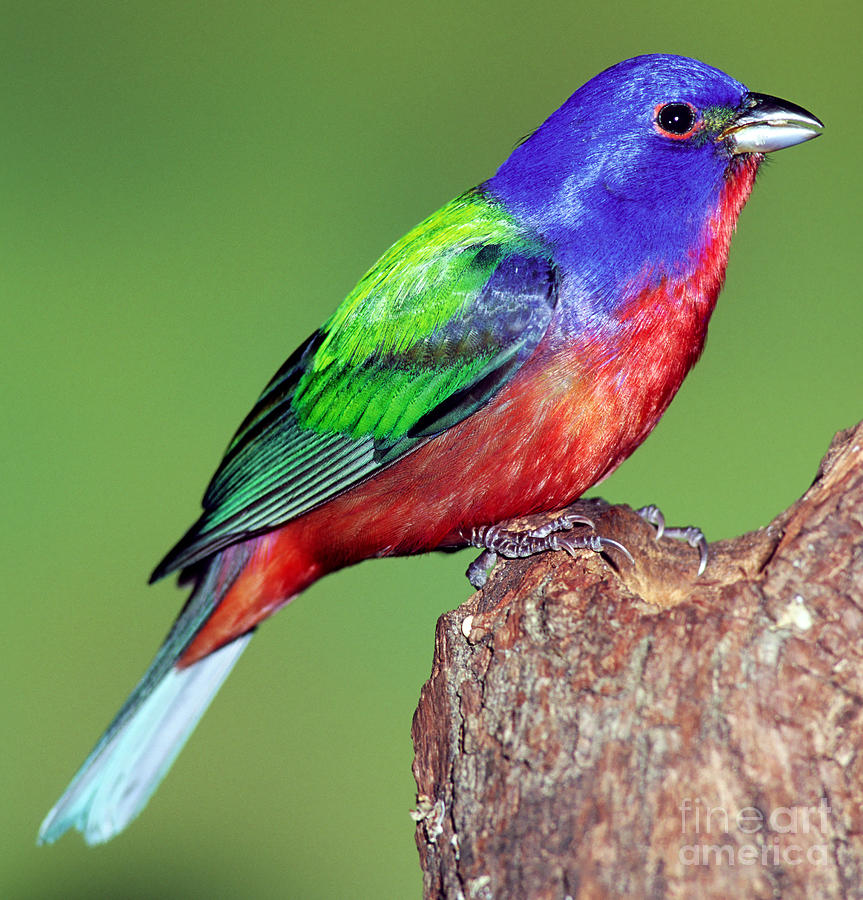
{"x":599,"y":730}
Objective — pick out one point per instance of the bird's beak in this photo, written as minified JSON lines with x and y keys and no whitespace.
{"x":767,"y":123}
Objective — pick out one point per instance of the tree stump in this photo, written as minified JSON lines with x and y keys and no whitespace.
{"x":594,"y":728}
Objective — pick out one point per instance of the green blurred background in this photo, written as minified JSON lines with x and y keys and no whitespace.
{"x":188,"y":189}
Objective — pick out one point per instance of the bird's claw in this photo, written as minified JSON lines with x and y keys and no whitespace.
{"x":692,"y":535}
{"x":595,"y":542}
{"x":497,"y":540}
{"x":695,"y":538}
{"x":653,"y":516}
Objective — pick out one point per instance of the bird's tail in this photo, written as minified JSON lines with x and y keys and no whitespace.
{"x":139,"y":746}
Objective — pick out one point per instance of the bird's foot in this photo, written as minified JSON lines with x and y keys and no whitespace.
{"x":513,"y":543}
{"x":479,"y":570}
{"x":692,"y":535}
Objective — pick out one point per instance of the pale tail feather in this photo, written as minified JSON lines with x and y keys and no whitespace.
{"x":117,"y":780}
{"x":136,"y":751}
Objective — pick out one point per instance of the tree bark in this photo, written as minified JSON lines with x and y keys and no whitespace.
{"x":594,"y":728}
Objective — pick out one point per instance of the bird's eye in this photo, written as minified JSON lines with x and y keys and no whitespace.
{"x":677,"y":120}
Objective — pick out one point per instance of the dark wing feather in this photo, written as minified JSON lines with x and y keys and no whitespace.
{"x":325,"y":424}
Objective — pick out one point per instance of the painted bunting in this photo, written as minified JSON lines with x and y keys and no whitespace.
{"x":498,"y":360}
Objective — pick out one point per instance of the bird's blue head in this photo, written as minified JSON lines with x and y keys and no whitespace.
{"x":625,"y":178}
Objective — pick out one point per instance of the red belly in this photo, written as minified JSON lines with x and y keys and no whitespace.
{"x":558,"y":428}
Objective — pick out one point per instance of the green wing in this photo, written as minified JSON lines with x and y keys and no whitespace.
{"x":429,"y":334}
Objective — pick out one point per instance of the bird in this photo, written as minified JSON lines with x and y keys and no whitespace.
{"x":498,"y":360}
